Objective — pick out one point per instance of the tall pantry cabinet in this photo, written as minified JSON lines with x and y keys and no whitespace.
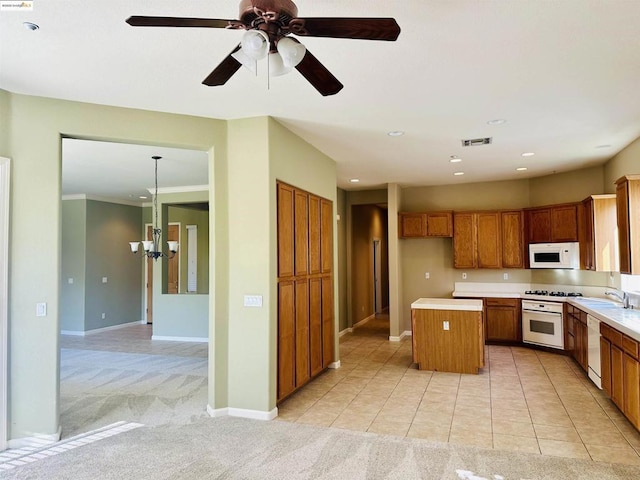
{"x":305,"y":287}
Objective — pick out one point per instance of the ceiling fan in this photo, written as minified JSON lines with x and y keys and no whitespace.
{"x":268,"y":25}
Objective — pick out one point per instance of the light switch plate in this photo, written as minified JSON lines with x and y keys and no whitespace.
{"x":41,"y":309}
{"x":253,"y":300}
{"x":445,"y":325}
{"x":104,"y":279}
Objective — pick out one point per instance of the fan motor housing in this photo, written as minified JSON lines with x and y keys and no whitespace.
{"x":269,"y":10}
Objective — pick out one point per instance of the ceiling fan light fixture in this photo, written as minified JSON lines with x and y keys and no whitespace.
{"x":255,"y":44}
{"x":246,"y":61}
{"x":291,"y":51}
{"x":277,"y":66}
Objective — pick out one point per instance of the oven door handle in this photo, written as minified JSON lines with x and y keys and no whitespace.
{"x":538,"y":312}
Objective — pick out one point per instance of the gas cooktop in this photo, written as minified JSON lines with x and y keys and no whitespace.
{"x":545,"y":293}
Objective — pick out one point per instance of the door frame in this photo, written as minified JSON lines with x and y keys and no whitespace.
{"x":377,"y":276}
{"x":5,"y":184}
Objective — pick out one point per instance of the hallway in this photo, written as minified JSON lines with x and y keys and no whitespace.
{"x":523,"y":400}
{"x":122,"y":374}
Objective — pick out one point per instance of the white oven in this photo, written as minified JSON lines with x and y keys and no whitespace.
{"x":542,"y":323}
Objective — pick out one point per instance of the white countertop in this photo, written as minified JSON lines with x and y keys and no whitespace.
{"x":625,"y":320}
{"x":447,"y":304}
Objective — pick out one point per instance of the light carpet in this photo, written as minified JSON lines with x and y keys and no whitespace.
{"x":237,"y":448}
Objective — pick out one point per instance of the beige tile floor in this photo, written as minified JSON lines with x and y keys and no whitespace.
{"x":524,"y":400}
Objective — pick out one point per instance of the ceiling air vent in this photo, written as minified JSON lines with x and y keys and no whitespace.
{"x":475,"y":142}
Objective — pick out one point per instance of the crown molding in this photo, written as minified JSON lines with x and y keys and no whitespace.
{"x":188,"y":188}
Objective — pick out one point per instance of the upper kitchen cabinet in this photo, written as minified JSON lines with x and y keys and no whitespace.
{"x":597,"y":233}
{"x":628,"y":213}
{"x":477,"y":241}
{"x":512,"y":239}
{"x":425,"y":224}
{"x":554,"y":223}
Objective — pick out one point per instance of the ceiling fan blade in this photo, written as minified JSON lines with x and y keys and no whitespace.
{"x":140,"y":21}
{"x":224,"y":71}
{"x":318,"y":75}
{"x":358,"y":28}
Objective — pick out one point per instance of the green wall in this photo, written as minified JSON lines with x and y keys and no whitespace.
{"x":5,"y":122}
{"x":73,"y":261}
{"x":36,"y":127}
{"x":626,"y":162}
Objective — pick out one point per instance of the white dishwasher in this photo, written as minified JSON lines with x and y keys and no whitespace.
{"x":593,"y":344}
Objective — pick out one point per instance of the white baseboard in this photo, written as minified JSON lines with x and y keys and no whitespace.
{"x":345,"y":331}
{"x":335,"y":364}
{"x":81,"y":333}
{"x":406,"y":333}
{"x":180,"y":339}
{"x":242,"y":412}
{"x":364,"y":320}
{"x":36,"y":441}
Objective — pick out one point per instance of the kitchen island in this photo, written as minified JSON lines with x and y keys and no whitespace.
{"x":447,"y":335}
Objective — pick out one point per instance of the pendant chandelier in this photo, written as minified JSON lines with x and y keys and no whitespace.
{"x":152,"y":248}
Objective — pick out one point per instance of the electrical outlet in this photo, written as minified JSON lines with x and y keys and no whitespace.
{"x":253,"y":300}
{"x":505,"y":276}
{"x":445,"y":325}
{"x":464,"y":276}
{"x":70,"y":280}
{"x":104,"y":315}
{"x":427,"y":275}
{"x":41,"y":309}
{"x":104,"y":279}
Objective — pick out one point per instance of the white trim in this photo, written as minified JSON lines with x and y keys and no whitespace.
{"x":81,"y":333}
{"x":180,"y":339}
{"x":242,"y":412}
{"x":188,"y":188}
{"x":362,"y":322}
{"x":37,"y":440}
{"x":5,"y":170}
{"x":345,"y":331}
{"x":82,"y":196}
{"x":406,"y":333}
{"x":179,"y":224}
{"x":335,"y":365}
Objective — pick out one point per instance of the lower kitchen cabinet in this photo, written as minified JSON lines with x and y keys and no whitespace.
{"x":620,"y":367}
{"x":577,"y":334}
{"x":503,"y":320}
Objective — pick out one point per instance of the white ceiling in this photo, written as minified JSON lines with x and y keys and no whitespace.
{"x":563,"y":73}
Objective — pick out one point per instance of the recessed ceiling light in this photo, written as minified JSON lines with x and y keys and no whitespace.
{"x":354,"y":180}
{"x":497,"y":121}
{"x":457,"y":174}
{"x":528,"y":154}
{"x":396,"y":133}
{"x":604,"y":146}
{"x":30,"y":26}
{"x":455,"y":159}
{"x":521,"y":169}
{"x":143,"y":197}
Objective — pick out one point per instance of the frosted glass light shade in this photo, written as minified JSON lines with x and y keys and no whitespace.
{"x":245,"y":60}
{"x":134,"y":246}
{"x":277,"y":66}
{"x":255,"y":44}
{"x":291,"y":51}
{"x":147,"y":245}
{"x":173,"y":246}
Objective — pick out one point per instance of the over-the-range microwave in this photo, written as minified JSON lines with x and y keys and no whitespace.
{"x":554,"y":255}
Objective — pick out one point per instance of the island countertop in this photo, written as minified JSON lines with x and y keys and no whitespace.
{"x":469,"y":305}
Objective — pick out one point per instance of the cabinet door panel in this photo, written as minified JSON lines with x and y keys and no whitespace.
{"x":302,"y":332}
{"x":564,"y":224}
{"x":314,"y":235}
{"x":624,"y":241}
{"x":502,"y":324}
{"x":489,"y":240}
{"x":285,"y":231}
{"x":617,"y":376}
{"x":605,"y":364}
{"x":539,"y":222}
{"x":301,"y":233}
{"x":315,"y":324}
{"x":439,"y":224}
{"x":286,"y":338}
{"x":464,"y":240}
{"x":326,"y":213}
{"x":512,"y":240}
{"x":413,"y":225}
{"x":631,"y":408}
{"x":327,"y":321}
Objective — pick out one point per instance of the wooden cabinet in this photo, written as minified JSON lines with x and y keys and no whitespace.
{"x":502,"y":320}
{"x":554,"y":223}
{"x":597,"y":233}
{"x":305,"y":287}
{"x":512,"y":239}
{"x":620,"y":366}
{"x":425,"y":224}
{"x":477,"y":240}
{"x":576,"y":335}
{"x":628,"y":219}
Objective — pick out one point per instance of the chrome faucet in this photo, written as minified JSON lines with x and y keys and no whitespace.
{"x":624,"y":298}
